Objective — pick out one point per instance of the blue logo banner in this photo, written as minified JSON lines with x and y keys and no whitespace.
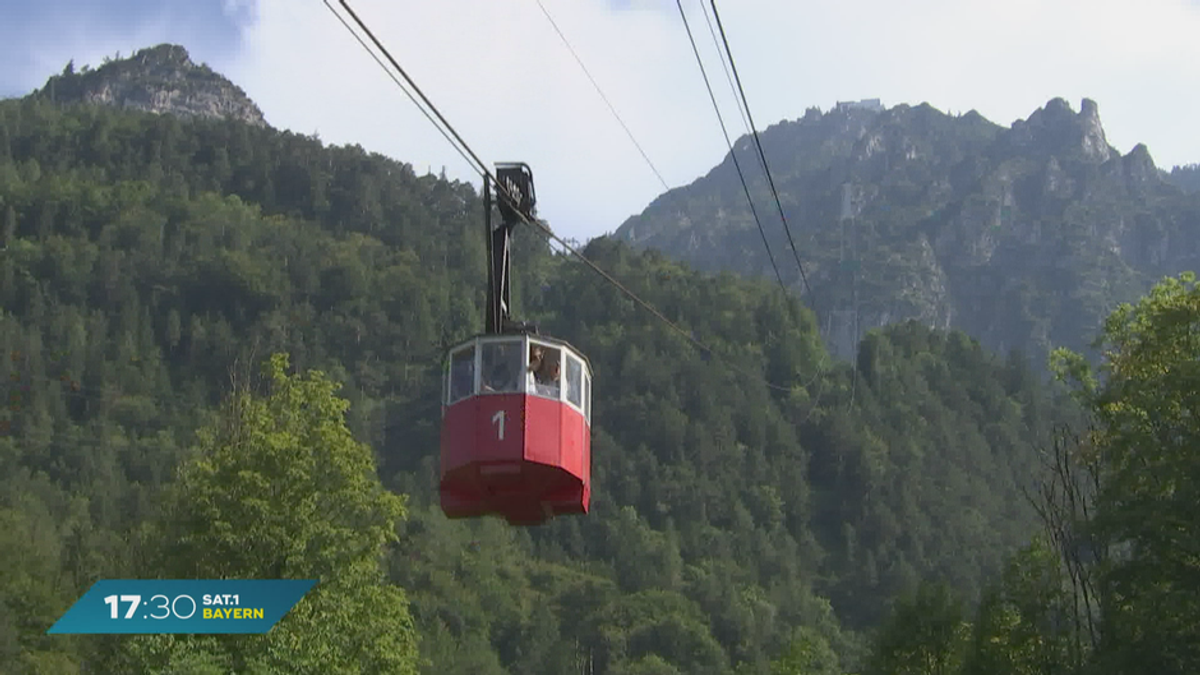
{"x":150,"y":606}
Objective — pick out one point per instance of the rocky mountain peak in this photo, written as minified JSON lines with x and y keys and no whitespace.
{"x":1058,"y":129}
{"x":1095,"y":145}
{"x":1139,"y":166}
{"x":161,"y":79}
{"x":1056,"y":108}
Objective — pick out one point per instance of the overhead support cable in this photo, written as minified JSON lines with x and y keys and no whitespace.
{"x":736,"y":164}
{"x":603,"y":96}
{"x":758,"y":144}
{"x":725,"y":67}
{"x":481,"y":168}
{"x":399,"y":84}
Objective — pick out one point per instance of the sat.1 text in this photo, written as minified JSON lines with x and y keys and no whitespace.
{"x":224,"y":599}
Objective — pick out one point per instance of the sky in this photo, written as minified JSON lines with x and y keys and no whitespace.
{"x":503,"y":77}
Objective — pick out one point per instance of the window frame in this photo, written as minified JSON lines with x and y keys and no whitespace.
{"x":522,"y":366}
{"x":587,"y":396}
{"x":448,"y":385}
{"x":574,"y":360}
{"x":567,"y":355}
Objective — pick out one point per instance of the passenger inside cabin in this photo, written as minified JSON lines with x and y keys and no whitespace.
{"x":536,"y":353}
{"x":543,"y":371}
{"x":550,"y":387}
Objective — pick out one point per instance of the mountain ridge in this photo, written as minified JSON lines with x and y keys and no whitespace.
{"x":910,"y":213}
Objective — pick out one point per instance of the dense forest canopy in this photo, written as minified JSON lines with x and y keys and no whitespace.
{"x":757,"y":509}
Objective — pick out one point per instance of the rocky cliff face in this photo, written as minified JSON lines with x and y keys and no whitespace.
{"x":160,"y":79}
{"x":1024,"y":237}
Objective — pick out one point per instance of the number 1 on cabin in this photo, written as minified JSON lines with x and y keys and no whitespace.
{"x":498,"y":419}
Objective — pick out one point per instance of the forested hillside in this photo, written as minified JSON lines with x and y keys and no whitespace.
{"x":751,"y":505}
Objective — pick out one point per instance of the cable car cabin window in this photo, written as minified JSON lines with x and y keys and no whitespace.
{"x":575,"y":381}
{"x":502,"y":367}
{"x":462,"y":375}
{"x":544,"y":375}
{"x":587,"y":398}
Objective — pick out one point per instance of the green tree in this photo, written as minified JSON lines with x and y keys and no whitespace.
{"x":1146,"y":405}
{"x":280,"y":489}
{"x":926,"y":635}
{"x":1025,"y":625}
{"x":33,"y":590}
{"x":808,"y":653}
{"x":10,"y":226}
{"x":651,"y":664}
{"x":656,"y":622}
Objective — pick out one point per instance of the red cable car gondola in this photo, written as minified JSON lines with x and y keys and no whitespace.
{"x":516,"y":406}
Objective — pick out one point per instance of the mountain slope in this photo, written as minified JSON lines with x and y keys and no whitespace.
{"x":1024,"y":237}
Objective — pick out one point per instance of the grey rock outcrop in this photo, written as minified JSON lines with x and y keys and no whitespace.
{"x":161,"y":80}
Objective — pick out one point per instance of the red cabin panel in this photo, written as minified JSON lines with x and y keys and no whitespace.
{"x":543,"y":428}
{"x":522,"y":457}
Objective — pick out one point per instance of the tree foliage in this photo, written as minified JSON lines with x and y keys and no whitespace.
{"x":925,"y":635}
{"x":1148,"y":429}
{"x":1111,"y":588}
{"x":280,"y":489}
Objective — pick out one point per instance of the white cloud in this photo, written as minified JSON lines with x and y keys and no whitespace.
{"x":499,"y":73}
